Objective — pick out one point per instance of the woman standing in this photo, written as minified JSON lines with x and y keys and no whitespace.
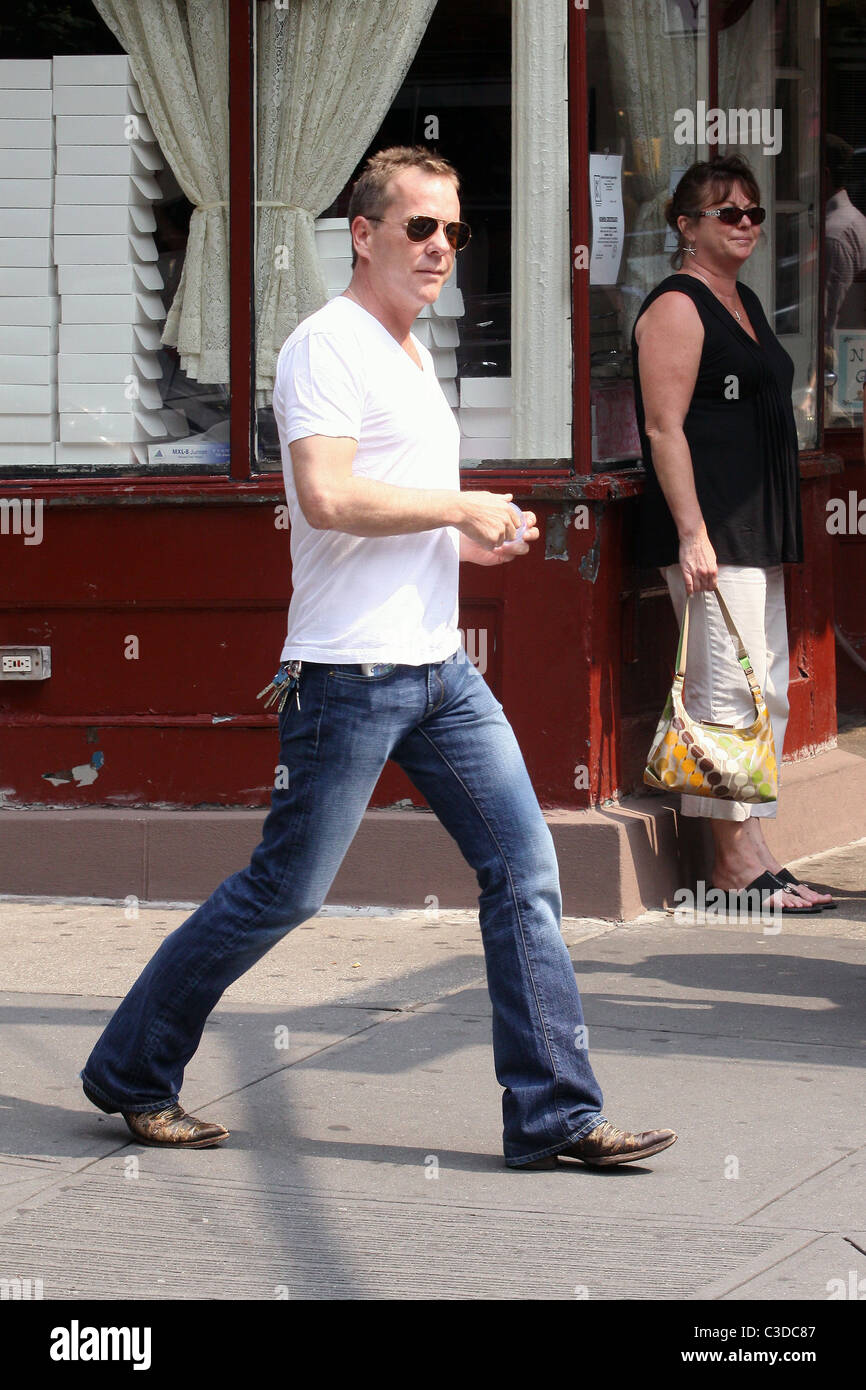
{"x":722,"y":501}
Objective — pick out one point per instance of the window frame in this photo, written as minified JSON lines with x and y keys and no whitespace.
{"x":551,"y":477}
{"x":831,"y":446}
{"x":241,"y":482}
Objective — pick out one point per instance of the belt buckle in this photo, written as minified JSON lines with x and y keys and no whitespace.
{"x":376,"y":668}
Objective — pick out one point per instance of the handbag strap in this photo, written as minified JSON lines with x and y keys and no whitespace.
{"x":742,"y":654}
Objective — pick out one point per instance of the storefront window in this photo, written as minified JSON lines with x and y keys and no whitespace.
{"x":637,"y":152}
{"x":845,"y":215}
{"x":114,"y":239}
{"x":769,"y":62}
{"x":435,"y":75}
{"x":650,"y":117}
{"x":450,"y":77}
{"x":114,"y":262}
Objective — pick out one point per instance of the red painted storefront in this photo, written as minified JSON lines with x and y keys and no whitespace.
{"x":579,"y":645}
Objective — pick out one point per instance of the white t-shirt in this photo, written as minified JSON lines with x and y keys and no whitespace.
{"x":368,"y":598}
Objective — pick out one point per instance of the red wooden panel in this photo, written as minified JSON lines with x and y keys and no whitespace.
{"x":849,"y":561}
{"x":214,"y":765}
{"x":810,"y":606}
{"x":205,"y":589}
{"x":189,"y":660}
{"x":101,"y":555}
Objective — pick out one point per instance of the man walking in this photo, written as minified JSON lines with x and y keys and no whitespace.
{"x":373,"y":669}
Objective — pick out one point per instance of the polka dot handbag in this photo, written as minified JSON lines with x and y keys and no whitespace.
{"x":715,"y":760}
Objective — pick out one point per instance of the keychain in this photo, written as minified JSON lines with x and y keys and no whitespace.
{"x":284,"y":682}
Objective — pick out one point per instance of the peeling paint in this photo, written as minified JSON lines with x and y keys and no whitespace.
{"x":83,"y":774}
{"x":222,"y":718}
{"x":812,"y":750}
{"x":592,"y":559}
{"x":556,"y":534}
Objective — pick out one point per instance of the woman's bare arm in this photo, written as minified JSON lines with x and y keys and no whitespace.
{"x":670,"y":337}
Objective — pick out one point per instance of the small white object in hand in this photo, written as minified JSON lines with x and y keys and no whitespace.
{"x":521,"y":521}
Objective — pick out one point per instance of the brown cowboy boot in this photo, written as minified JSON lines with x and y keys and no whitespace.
{"x":173,"y":1128}
{"x":606,"y":1145}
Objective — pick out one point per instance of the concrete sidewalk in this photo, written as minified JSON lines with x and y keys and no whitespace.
{"x":353,"y":1066}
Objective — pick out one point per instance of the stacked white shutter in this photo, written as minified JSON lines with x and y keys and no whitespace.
{"x":111,"y":310}
{"x":28,"y":281}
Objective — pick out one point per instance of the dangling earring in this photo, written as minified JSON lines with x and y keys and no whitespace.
{"x":690,"y":249}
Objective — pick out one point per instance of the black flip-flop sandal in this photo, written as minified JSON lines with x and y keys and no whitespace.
{"x":796,"y":883}
{"x":766,"y":884}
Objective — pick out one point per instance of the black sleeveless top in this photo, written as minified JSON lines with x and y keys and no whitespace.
{"x":743,"y":440}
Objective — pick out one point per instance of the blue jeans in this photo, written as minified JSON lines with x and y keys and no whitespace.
{"x":444,"y":727}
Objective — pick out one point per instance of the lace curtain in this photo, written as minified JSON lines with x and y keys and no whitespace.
{"x":657,"y":75}
{"x":747,"y":55}
{"x":327,"y":74}
{"x":653,"y":74}
{"x":178,"y":50}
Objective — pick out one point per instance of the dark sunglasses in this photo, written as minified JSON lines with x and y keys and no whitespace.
{"x":732,"y":217}
{"x":420,"y":228}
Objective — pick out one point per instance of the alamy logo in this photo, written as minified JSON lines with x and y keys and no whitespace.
{"x":846,"y":518}
{"x":474,"y":642}
{"x":21,"y":1288}
{"x":77,"y":1343}
{"x":740,"y":125}
{"x":22,"y":516}
{"x":702,"y":904}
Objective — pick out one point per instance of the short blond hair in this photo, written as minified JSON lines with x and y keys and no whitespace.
{"x":370,"y":193}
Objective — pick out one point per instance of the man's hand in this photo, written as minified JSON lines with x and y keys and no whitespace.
{"x":477,"y":554}
{"x":487,"y":519}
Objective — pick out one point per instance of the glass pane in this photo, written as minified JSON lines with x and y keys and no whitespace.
{"x":845,"y":216}
{"x":769,"y":71}
{"x":113,"y":240}
{"x":639,"y":146}
{"x":455,"y":98}
{"x":651,"y":130}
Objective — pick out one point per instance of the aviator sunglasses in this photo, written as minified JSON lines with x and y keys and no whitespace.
{"x":419,"y":228}
{"x":733,"y":216}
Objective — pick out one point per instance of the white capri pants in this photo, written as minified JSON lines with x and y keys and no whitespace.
{"x":715,"y":686}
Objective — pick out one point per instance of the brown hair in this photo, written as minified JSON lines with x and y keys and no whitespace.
{"x":705,"y":183}
{"x":370,"y":193}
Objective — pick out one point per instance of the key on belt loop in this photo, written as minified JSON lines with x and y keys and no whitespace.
{"x":284,"y":682}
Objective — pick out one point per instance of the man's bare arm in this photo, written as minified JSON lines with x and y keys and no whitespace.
{"x":332,"y":498}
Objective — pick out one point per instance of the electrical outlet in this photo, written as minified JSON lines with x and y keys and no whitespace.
{"x":25,"y":663}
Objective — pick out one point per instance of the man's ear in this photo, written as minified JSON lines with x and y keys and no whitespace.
{"x":361,"y":230}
